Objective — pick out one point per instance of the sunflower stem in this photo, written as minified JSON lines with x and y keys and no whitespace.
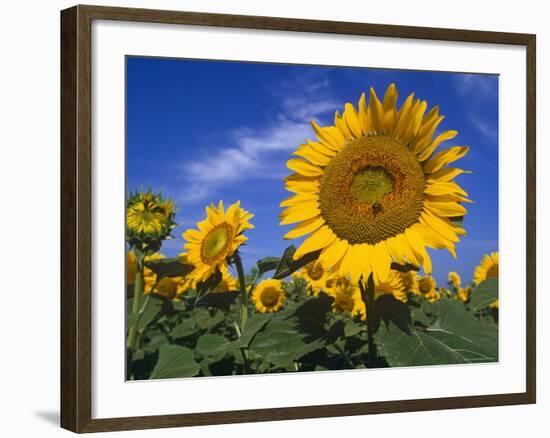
{"x":244,"y":294}
{"x":138,"y":292}
{"x":367,"y":293}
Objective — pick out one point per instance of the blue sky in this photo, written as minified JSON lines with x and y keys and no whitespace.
{"x":201,"y":131}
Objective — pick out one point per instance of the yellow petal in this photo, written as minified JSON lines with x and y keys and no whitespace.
{"x":342,"y":126}
{"x":304,"y":228}
{"x":329,"y":136}
{"x":444,"y":157}
{"x":446,"y":209}
{"x":376,"y":112}
{"x":321,"y":148}
{"x":332,"y":254}
{"x":444,"y":188}
{"x":446,"y":174}
{"x":295,"y":214}
{"x":428,"y":151}
{"x":442,"y":226}
{"x":303,"y":167}
{"x":363,"y":116}
{"x":417,"y":245}
{"x":352,"y":120}
{"x":298,"y":199}
{"x":307,"y":152}
{"x":318,"y":240}
{"x":380,"y":261}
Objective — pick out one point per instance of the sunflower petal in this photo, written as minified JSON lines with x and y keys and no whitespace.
{"x":444,"y":157}
{"x":428,"y":151}
{"x":304,"y":228}
{"x":318,"y":240}
{"x":303,"y":167}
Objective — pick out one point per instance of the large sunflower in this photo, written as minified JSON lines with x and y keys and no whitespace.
{"x":217,"y":238}
{"x":372,"y":189}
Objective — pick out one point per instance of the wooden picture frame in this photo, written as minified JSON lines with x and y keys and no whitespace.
{"x":76,"y":218}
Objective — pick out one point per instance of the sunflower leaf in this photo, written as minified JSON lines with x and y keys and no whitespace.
{"x":210,"y":283}
{"x":169,"y":268}
{"x":484,"y":294}
{"x":220,"y":300}
{"x":175,"y":361}
{"x":455,"y":337}
{"x":390,"y":309}
{"x":267,"y":264}
{"x":288,"y":265}
{"x":404,"y":267}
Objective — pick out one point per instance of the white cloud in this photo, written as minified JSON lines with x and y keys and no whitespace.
{"x":250,"y":148}
{"x":479,"y":84}
{"x":485,"y":128}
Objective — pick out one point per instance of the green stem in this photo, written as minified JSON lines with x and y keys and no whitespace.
{"x":242,"y":285}
{"x":367,"y":293}
{"x":138,"y":293}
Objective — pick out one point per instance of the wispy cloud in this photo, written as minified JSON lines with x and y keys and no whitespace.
{"x":478,"y":89}
{"x":479,"y":84}
{"x":249,"y":149}
{"x":486,"y":128}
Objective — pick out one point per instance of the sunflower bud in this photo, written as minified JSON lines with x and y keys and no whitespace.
{"x":149,"y":221}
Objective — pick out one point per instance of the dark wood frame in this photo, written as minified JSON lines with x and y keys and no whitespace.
{"x":76,"y":236}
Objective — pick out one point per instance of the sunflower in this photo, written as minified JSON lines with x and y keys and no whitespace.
{"x":269,"y":296}
{"x":428,"y":288}
{"x":410,"y":282}
{"x":217,"y":238}
{"x":488,"y":268}
{"x":393,"y":285}
{"x":149,"y":220}
{"x":454,"y":279}
{"x":371,"y":189}
{"x":315,"y":276}
{"x":228,"y":283}
{"x":464,"y":293}
{"x":346,"y":296}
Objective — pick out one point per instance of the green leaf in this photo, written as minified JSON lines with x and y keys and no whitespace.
{"x":219,"y":300}
{"x":175,"y":361}
{"x":353,"y":328}
{"x":484,"y":294}
{"x":169,"y":268}
{"x":288,"y":265}
{"x":150,"y":312}
{"x":210,"y":283}
{"x":252,"y":326}
{"x":212,"y":345}
{"x":186,"y":328}
{"x":267,"y":264}
{"x":455,"y":337}
{"x":280,"y":343}
{"x":390,"y":309}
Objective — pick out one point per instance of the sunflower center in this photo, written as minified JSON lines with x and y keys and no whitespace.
{"x":216,"y":242}
{"x":343,"y":303}
{"x":424,"y":286}
{"x":269,"y":297}
{"x":492,"y":272}
{"x":371,"y":184}
{"x":316,"y":272}
{"x":373,"y":189}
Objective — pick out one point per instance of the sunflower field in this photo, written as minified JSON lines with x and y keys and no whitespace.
{"x":369,"y":195}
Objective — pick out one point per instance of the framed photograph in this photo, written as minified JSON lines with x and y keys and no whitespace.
{"x":269,"y":219}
